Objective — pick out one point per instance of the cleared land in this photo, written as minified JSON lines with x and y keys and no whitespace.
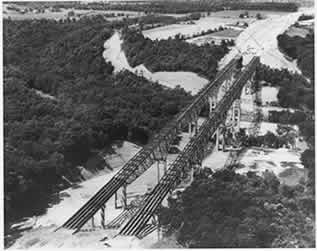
{"x":63,"y":14}
{"x":200,"y":25}
{"x":190,"y":81}
{"x":295,"y":31}
{"x":225,"y":34}
{"x":284,"y":163}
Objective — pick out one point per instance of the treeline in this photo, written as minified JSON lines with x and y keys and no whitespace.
{"x":181,"y":7}
{"x":294,"y":90}
{"x":304,"y":17}
{"x":172,"y":54}
{"x":225,"y":42}
{"x":225,"y":209}
{"x":287,"y":117}
{"x":301,"y":49}
{"x":272,"y":6}
{"x":155,"y":19}
{"x":150,"y":21}
{"x":229,"y":210}
{"x":285,"y":137}
{"x":45,"y":139}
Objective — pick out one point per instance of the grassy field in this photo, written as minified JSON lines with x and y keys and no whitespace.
{"x":295,"y":31}
{"x":229,"y":33}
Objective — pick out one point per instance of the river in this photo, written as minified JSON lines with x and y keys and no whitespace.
{"x":258,"y":39}
{"x":190,"y":81}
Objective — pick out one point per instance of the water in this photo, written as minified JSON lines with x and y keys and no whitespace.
{"x":190,"y":81}
{"x":39,"y":229}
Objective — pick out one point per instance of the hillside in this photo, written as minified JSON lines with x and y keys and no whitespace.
{"x":226,"y":210}
{"x":172,"y":54}
{"x":89,"y":108}
{"x":300,"y":48}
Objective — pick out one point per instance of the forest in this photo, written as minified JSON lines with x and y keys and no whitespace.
{"x":150,"y":21}
{"x":225,"y":210}
{"x":301,"y":49}
{"x":181,"y":7}
{"x":295,"y":92}
{"x":287,"y":117}
{"x":304,"y":17}
{"x":89,"y":109}
{"x":172,"y":54}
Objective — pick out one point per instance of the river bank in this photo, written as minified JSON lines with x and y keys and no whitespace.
{"x":191,"y":82}
{"x":41,"y":235}
{"x":55,"y":209}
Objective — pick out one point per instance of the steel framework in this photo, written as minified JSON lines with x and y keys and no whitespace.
{"x":189,"y":157}
{"x":154,"y":151}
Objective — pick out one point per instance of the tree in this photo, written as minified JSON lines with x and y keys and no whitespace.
{"x":232,"y":210}
{"x":259,"y":16}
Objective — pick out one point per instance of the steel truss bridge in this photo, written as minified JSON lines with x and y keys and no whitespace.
{"x":232,"y":79}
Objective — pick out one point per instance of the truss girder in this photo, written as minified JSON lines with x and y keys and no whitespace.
{"x":172,"y":177}
{"x":145,"y":157}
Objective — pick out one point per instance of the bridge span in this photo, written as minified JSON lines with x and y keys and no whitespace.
{"x":231,"y":80}
{"x":190,"y":158}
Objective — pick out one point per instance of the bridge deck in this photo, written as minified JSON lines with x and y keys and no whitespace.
{"x":172,"y":177}
{"x":146,"y":156}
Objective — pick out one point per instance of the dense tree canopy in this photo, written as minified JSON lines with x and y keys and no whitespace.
{"x":187,"y":6}
{"x":301,"y":49}
{"x":172,"y":54}
{"x":294,"y":90}
{"x":287,"y":117}
{"x":89,"y":107}
{"x":243,"y":211}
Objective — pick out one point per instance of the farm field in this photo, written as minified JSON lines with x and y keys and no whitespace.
{"x":64,"y":13}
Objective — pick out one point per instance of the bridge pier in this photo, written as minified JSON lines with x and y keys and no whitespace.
{"x":212,"y":104}
{"x":93,"y":221}
{"x":123,"y":198}
{"x":161,"y":162}
{"x":190,"y":129}
{"x":221,"y":140}
{"x":236,"y":115}
{"x":158,"y":171}
{"x":159,"y":232}
{"x":196,"y":126}
{"x":124,"y":195}
{"x":217,"y":139}
{"x":102,"y":216}
{"x":146,"y":157}
{"x":196,"y":167}
{"x":193,"y":128}
{"x":164,"y":165}
{"x":232,"y":122}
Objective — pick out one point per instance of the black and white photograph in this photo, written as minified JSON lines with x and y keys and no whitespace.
{"x":158,"y":124}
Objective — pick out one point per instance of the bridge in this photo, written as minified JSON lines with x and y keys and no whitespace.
{"x":222,"y":95}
